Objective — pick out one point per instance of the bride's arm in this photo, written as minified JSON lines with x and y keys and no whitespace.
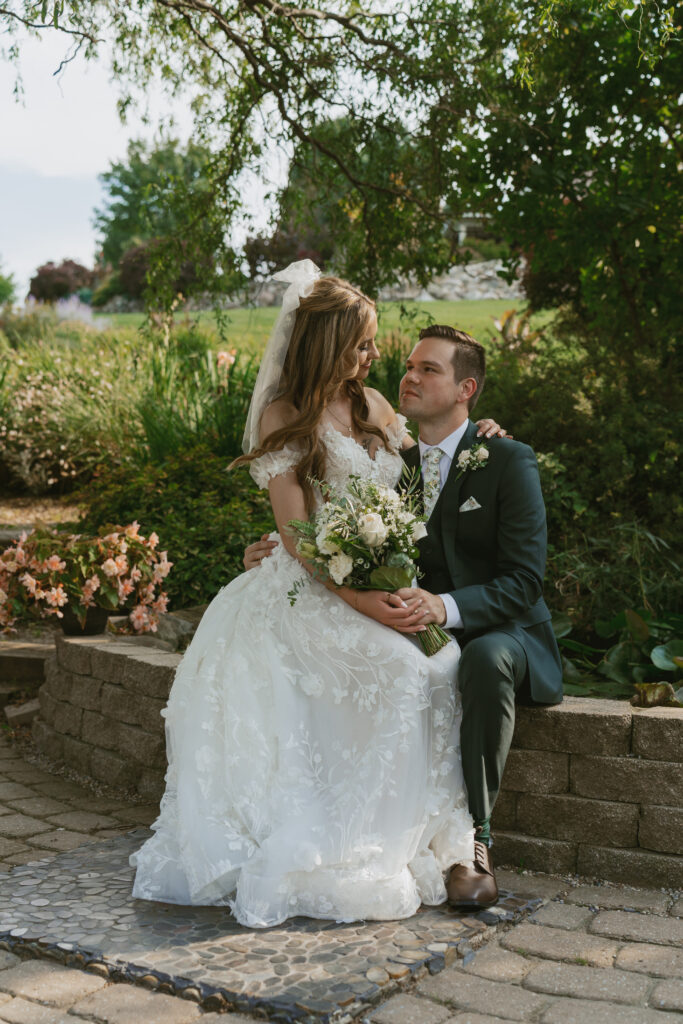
{"x":487,"y":428}
{"x":286,"y":495}
{"x":288,"y":502}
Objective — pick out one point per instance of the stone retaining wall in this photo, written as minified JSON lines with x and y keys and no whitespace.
{"x":591,"y":786}
{"x":594,"y":787}
{"x":100,"y":711}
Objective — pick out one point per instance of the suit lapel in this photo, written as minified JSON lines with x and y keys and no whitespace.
{"x":451,"y":488}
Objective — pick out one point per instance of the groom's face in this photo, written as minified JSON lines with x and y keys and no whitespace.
{"x":429,"y":389}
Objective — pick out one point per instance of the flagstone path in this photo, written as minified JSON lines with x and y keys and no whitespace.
{"x":556,"y":952}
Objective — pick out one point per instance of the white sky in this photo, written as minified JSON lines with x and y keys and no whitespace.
{"x":53,"y":146}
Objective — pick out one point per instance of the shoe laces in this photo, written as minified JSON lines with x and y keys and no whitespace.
{"x":481,"y":856}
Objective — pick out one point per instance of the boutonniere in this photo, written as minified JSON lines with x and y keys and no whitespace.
{"x":472,"y":458}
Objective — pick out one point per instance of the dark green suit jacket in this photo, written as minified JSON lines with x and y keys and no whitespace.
{"x":491,"y":559}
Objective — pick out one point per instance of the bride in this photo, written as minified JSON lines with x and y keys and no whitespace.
{"x":313,"y":753}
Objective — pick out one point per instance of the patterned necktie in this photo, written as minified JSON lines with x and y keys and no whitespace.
{"x":432,"y":480}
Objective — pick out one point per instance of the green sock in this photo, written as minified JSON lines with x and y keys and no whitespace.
{"x":483,"y":831}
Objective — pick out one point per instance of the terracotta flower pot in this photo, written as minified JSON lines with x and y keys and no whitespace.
{"x":95,"y":622}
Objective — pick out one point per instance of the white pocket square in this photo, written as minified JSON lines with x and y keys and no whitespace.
{"x":469,"y":505}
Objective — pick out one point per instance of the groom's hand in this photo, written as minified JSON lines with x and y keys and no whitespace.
{"x":256,"y":552}
{"x":425,"y":607}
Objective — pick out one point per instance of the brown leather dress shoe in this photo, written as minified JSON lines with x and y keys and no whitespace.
{"x":476,"y":886}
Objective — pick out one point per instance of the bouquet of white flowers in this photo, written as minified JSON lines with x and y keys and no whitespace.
{"x":364,"y":538}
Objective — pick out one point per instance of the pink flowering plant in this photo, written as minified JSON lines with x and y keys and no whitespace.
{"x":121,"y":570}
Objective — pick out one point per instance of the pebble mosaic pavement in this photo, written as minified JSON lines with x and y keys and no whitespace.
{"x":77,"y":909}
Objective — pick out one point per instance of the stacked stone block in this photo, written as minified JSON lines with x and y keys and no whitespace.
{"x":100,"y":711}
{"x":591,"y":786}
{"x":595,"y":787}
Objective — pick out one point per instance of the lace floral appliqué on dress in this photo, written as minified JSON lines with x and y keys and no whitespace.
{"x":314,"y":754}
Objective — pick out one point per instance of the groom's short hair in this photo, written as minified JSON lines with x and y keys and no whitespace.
{"x":469,"y":358}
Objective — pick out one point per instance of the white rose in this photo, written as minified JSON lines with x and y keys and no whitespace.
{"x":372,"y":529}
{"x":325,"y":545}
{"x":419,"y":531}
{"x":482,"y":454}
{"x":463,"y":458}
{"x":340,"y":566}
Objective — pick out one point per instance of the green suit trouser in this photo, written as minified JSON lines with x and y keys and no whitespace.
{"x":492,"y":670}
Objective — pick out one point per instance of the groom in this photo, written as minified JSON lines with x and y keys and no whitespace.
{"x":483,"y":561}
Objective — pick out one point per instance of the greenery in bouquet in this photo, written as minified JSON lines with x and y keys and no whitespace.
{"x":44,"y":571}
{"x":364,"y":538}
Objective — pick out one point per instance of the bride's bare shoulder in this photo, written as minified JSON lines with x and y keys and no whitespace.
{"x":381,"y":411}
{"x":277,"y":415}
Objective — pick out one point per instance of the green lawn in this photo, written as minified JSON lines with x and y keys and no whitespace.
{"x":248,"y":328}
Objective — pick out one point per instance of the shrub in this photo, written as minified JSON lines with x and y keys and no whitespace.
{"x":128,"y":397}
{"x":47,"y":570}
{"x":63,"y":406}
{"x":484,"y":249}
{"x":608,"y":442}
{"x":205,"y":514}
{"x":591,"y":576}
{"x":52,"y":281}
{"x":136,"y":262}
{"x":133,"y":267}
{"x":32,"y":323}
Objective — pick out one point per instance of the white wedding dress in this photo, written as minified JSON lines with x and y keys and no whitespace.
{"x":314,"y":754}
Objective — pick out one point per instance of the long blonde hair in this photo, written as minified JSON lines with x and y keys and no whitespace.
{"x":329,"y":325}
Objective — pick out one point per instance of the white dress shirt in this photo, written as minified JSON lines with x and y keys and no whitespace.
{"x":448,"y":446}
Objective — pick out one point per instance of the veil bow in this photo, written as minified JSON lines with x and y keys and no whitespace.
{"x":300,"y":276}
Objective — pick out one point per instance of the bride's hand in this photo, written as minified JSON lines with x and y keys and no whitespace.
{"x":489,"y":428}
{"x":256,"y":552}
{"x":381,"y":606}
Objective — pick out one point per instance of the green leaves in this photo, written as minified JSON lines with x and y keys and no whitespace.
{"x":387,"y":577}
{"x":195,"y":506}
{"x":668,"y":657}
{"x":636,"y":660}
{"x":619,"y":662}
{"x":637,"y":627}
{"x":547,"y":117}
{"x":562,"y":625}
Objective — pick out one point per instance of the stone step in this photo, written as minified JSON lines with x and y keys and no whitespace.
{"x":22,"y":662}
{"x":10,"y":691}
{"x":22,"y":714}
